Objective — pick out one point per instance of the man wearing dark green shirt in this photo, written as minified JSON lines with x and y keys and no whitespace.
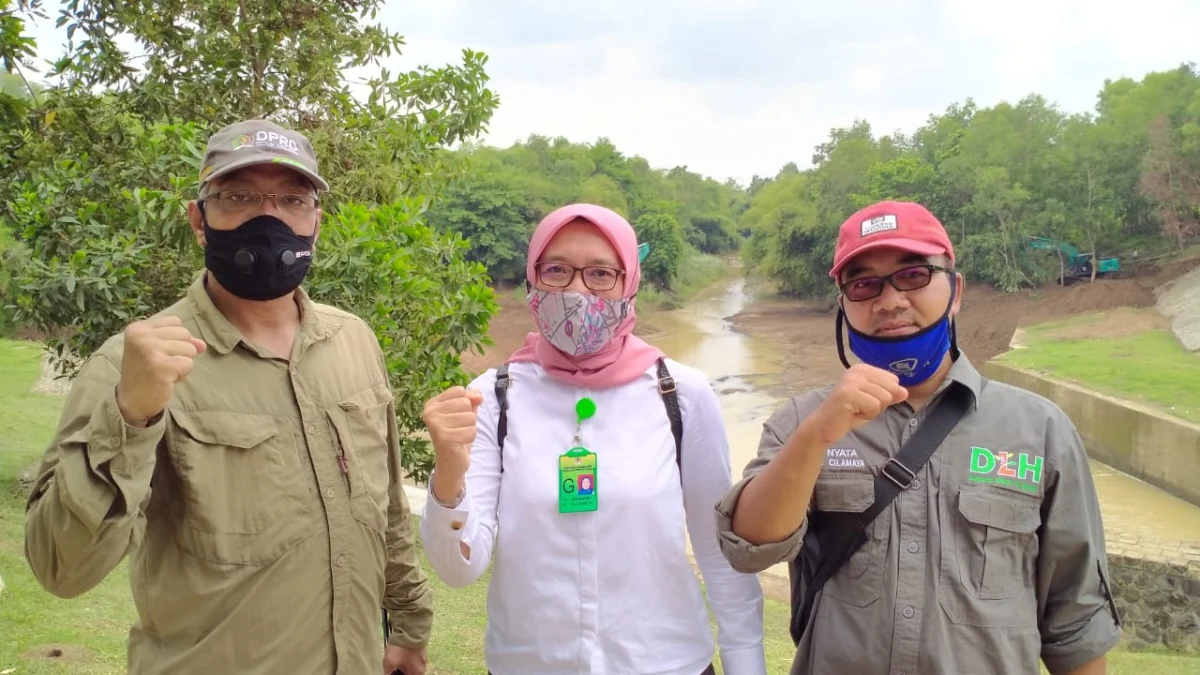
{"x":991,"y":557}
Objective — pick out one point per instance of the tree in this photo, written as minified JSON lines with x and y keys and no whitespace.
{"x":1126,"y":179}
{"x":665,"y":237}
{"x":96,"y":191}
{"x":1171,"y":183}
{"x":487,"y":211}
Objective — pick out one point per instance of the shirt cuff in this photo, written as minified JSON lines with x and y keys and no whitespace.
{"x":445,"y":522}
{"x":744,"y":556}
{"x":1091,"y":642}
{"x":744,"y":661}
{"x":411,"y":629}
{"x":110,"y":436}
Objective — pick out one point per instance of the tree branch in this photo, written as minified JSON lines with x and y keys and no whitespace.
{"x":21,"y":72}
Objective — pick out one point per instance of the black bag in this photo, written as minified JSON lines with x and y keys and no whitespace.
{"x":832,"y":538}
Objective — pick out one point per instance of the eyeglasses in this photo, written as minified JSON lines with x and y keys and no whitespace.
{"x":244,"y":200}
{"x":560,"y":275}
{"x":907,"y":279}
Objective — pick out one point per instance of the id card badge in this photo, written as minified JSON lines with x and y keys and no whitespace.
{"x":577,"y":481}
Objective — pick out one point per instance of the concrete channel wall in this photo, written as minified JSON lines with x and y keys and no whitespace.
{"x":1161,"y":450}
{"x":1156,"y":583}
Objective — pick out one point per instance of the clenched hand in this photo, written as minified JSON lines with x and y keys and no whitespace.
{"x":159,"y":353}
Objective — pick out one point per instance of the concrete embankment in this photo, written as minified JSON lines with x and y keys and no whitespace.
{"x":1157,"y":448}
{"x":1154,"y":550}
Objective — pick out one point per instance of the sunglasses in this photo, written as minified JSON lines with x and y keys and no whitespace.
{"x":907,"y":279}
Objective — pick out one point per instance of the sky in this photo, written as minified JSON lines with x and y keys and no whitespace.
{"x":737,"y":88}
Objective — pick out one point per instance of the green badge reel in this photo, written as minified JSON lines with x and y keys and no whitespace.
{"x":577,"y":491}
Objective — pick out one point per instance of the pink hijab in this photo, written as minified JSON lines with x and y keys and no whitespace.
{"x":627,"y":356}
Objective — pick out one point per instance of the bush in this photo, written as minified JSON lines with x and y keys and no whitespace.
{"x":106,"y":232}
{"x":426,"y":303}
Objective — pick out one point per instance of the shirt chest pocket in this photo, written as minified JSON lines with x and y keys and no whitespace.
{"x":242,"y":493}
{"x":988,"y":558}
{"x":361,"y":424}
{"x":860,"y":581}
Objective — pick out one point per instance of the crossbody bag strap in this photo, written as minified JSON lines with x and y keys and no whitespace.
{"x":502,"y":382}
{"x":895,"y":476}
{"x":666,"y":389}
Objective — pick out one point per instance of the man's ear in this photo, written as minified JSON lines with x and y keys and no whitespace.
{"x":196,"y":220}
{"x":960,"y":285}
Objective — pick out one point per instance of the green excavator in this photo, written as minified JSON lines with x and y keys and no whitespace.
{"x":1075,"y":265}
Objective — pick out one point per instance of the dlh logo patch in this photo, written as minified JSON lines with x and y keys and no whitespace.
{"x":1014,"y":469}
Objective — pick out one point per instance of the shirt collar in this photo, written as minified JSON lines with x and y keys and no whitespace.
{"x":221,"y":335}
{"x":965,"y":374}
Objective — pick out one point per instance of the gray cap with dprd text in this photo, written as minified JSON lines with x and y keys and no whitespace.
{"x":253,"y":142}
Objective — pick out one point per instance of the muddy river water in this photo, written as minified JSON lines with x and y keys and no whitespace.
{"x":745,"y":369}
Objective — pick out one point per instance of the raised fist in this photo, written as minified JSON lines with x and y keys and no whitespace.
{"x":450,"y":418}
{"x":859,"y":397}
{"x":159,"y":353}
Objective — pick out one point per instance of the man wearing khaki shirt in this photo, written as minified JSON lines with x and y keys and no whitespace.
{"x":241,"y":447}
{"x":991,"y":556}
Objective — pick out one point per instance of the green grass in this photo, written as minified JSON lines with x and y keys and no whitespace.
{"x":98,"y":621}
{"x":1149,"y":367}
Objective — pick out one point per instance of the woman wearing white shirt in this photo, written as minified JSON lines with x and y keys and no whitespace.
{"x":582,"y":503}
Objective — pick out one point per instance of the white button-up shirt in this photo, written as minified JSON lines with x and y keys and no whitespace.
{"x":610,"y":591}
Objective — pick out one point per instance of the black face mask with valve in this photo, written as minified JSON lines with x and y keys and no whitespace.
{"x":263,"y":259}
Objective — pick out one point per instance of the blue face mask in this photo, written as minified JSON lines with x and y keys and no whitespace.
{"x":913,"y":358}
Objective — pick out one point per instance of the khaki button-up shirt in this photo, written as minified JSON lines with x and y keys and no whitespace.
{"x":263,"y":513}
{"x":992,"y":558}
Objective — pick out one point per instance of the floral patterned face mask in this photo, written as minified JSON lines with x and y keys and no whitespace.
{"x":577,"y":324}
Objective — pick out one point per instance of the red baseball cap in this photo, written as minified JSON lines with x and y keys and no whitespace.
{"x":907,"y":226}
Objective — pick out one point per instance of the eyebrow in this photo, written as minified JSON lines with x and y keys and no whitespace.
{"x":909,"y":259}
{"x":238,"y":183}
{"x":597,"y":262}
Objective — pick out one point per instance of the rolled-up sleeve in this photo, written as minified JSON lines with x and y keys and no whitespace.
{"x":1078,"y":619}
{"x":742,"y":555}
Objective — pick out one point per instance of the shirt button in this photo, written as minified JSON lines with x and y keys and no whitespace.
{"x":341,"y":560}
{"x":913,"y":422}
{"x":908,"y":612}
{"x":340,"y":625}
{"x":915,"y":484}
{"x":913,"y":547}
{"x":329,"y":493}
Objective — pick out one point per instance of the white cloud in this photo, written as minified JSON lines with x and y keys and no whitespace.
{"x":740,"y":87}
